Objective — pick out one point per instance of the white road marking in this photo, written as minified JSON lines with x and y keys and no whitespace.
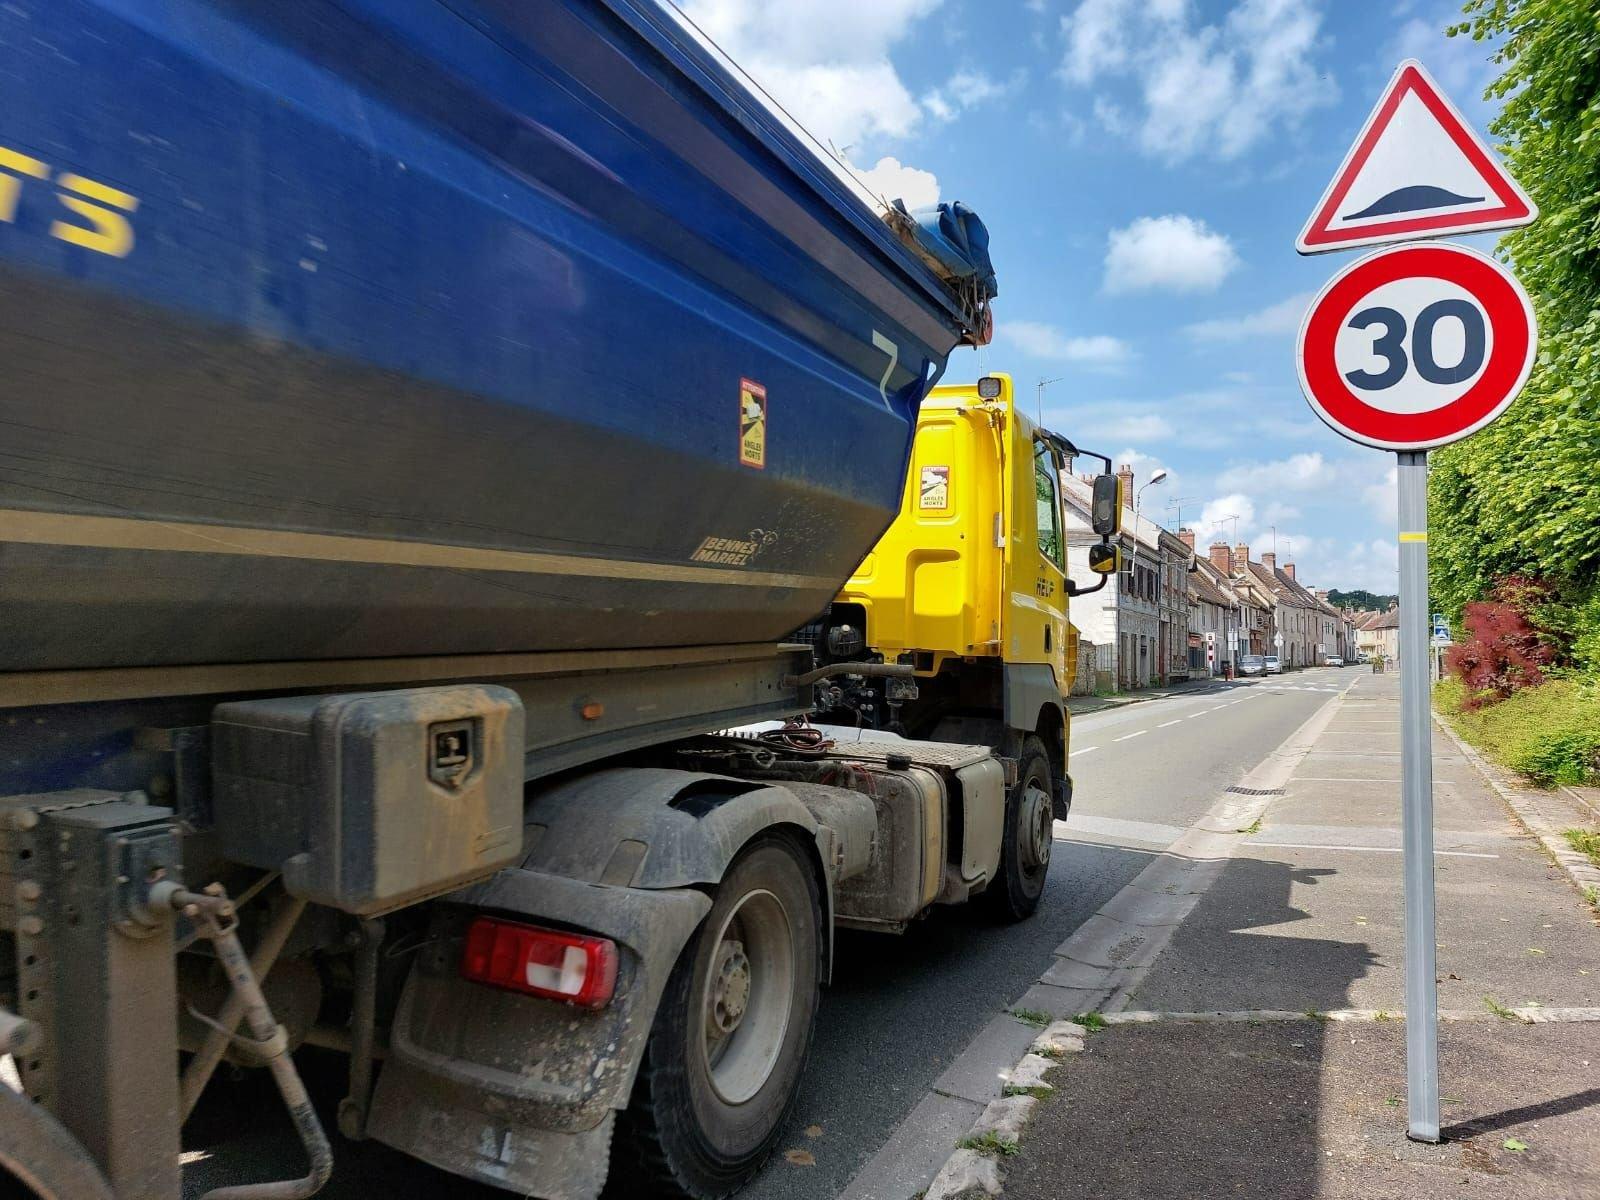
{"x":1370,"y":849}
{"x":1085,"y":750}
{"x":1126,"y":736}
{"x":1164,"y":724}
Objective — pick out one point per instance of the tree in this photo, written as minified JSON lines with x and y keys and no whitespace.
{"x":1520,"y":496}
{"x":1360,"y":599}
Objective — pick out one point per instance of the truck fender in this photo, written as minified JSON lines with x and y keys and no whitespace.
{"x":629,"y":854}
{"x":650,"y":827}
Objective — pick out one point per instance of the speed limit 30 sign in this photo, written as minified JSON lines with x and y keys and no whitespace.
{"x":1416,"y":346}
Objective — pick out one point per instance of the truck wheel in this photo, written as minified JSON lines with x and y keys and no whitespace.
{"x":39,"y":1160}
{"x":722,"y":1066}
{"x":1029,"y":836}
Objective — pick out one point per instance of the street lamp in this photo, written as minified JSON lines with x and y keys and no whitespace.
{"x":1159,"y":477}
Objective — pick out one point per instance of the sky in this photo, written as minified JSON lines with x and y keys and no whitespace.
{"x":1143,"y":167}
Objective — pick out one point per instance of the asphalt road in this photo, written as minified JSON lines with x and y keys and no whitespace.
{"x":900,"y":1009}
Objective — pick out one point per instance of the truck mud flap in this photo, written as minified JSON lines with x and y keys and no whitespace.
{"x":474,"y":1083}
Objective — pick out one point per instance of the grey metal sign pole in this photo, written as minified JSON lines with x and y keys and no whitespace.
{"x":1416,"y":798}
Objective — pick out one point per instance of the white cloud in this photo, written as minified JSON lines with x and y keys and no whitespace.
{"x":1373,"y":565}
{"x":1140,"y":427}
{"x":826,"y":62}
{"x":1048,"y":342}
{"x":1382,"y":498}
{"x":969,"y":89}
{"x":1297,"y":473}
{"x":1171,"y":253}
{"x":1274,"y":320}
{"x":1203,"y":89}
{"x":891,"y":179}
{"x":1461,"y":64}
{"x":1216,"y":522}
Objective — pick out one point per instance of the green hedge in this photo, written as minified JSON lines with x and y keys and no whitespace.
{"x":1551,"y":733}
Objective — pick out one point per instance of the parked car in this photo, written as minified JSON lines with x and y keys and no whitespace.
{"x":1271,"y":665}
{"x":1252,"y":664}
{"x":1333,"y":660}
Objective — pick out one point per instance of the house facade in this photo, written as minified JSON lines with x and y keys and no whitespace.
{"x":1139,"y":621}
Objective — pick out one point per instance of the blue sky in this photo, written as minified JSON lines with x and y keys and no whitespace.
{"x":1143,"y":167}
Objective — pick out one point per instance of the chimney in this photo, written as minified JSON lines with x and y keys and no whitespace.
{"x":1186,"y":536}
{"x":1269,"y":560}
{"x":1320,"y":593}
{"x":1125,"y":474}
{"x":1288,"y":569}
{"x":1218,"y":554}
{"x":1241,"y":556}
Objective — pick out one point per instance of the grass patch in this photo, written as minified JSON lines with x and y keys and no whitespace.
{"x":1092,"y":1021}
{"x":1500,"y":1010}
{"x":1031,"y":1016}
{"x":989,"y":1143}
{"x":1585,"y":842}
{"x":1549,"y":734}
{"x":1253,"y":827}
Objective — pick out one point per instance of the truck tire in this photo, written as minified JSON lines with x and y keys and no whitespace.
{"x":40,"y":1160}
{"x":723,"y":1062}
{"x":1028,"y":836}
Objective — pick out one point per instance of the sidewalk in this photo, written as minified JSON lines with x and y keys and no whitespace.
{"x":1306,"y":917}
{"x":1088,"y":704}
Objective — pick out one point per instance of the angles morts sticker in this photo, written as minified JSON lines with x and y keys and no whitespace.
{"x":933,"y":488}
{"x":752,"y":424}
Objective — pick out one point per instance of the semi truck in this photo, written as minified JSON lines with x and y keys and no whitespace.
{"x":427,"y":428}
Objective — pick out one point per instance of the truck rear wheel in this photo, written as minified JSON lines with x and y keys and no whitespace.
{"x":723,"y":1063}
{"x":1028,"y":837}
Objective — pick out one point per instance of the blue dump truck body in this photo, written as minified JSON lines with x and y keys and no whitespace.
{"x":421,"y":421}
{"x":372,"y":329}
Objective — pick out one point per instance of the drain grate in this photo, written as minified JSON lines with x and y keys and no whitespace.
{"x":1244,"y":791}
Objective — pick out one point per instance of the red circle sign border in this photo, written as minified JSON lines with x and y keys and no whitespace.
{"x":1510,"y":358}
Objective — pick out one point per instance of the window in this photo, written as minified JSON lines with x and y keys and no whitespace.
{"x":1049,"y":503}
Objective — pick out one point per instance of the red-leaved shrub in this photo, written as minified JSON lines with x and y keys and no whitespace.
{"x":1504,"y":650}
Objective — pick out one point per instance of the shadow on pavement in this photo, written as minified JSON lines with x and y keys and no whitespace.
{"x":1301,"y":1110}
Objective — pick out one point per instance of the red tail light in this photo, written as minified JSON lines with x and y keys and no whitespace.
{"x":570,"y":967}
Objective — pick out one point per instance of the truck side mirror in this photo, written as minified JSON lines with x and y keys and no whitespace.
{"x":1105,"y":559}
{"x":1105,"y":516}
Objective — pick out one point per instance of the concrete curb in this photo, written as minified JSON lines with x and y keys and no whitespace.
{"x":1001,"y":1123}
{"x":1524,"y":806}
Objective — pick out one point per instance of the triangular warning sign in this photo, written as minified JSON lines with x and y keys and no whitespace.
{"x":1417,"y":170}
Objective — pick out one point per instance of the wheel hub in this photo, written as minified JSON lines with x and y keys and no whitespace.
{"x":730,"y":987}
{"x":1036,"y":828}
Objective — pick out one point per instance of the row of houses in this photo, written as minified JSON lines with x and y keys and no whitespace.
{"x":1172,"y":613}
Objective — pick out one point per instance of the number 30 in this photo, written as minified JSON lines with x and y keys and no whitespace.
{"x":1391,"y":345}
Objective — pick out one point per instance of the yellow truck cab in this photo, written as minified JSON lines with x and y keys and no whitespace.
{"x":968,"y":586}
